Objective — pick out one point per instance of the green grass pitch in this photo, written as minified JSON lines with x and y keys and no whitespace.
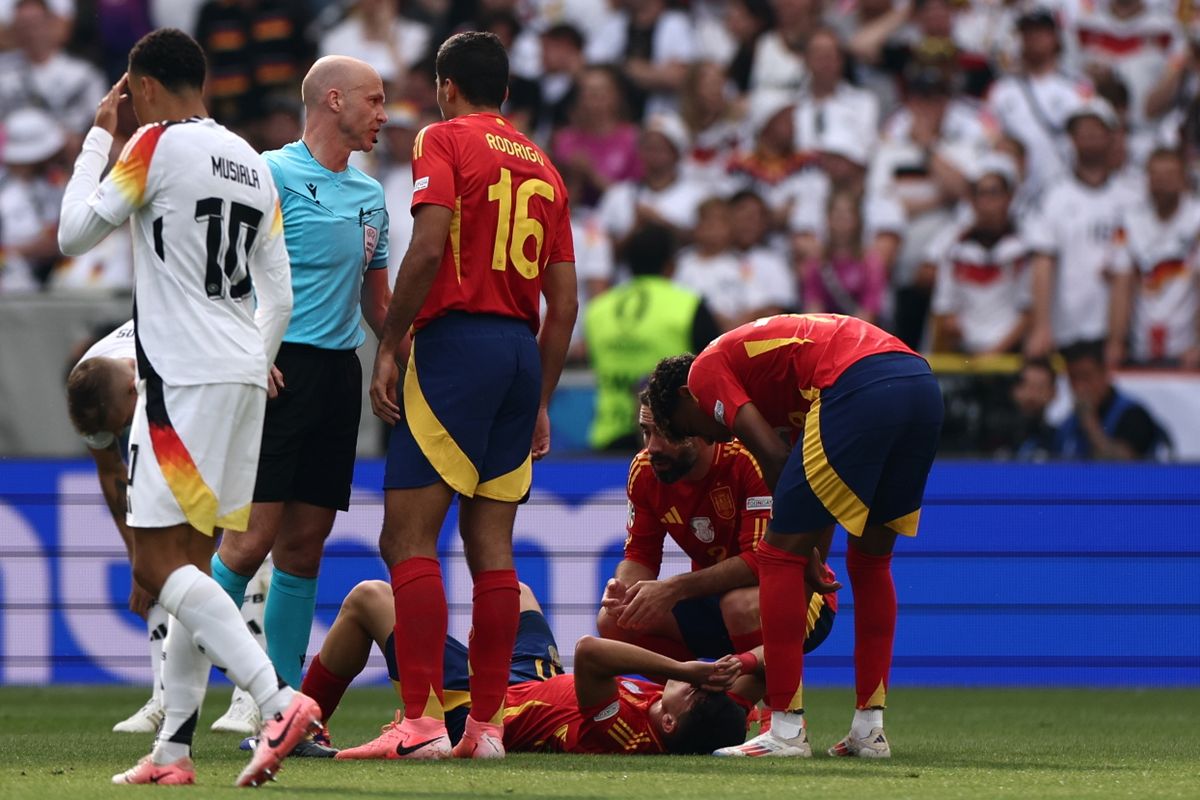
{"x":55,"y":744}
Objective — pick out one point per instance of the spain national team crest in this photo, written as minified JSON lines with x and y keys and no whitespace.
{"x":722,"y":502}
{"x":370,"y":240}
{"x":702,"y":529}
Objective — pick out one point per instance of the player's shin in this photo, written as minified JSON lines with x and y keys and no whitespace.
{"x":325,"y":687}
{"x":216,"y":625}
{"x":421,"y":622}
{"x":185,"y":679}
{"x":874,"y":629}
{"x":156,"y":624}
{"x":495,"y":614}
{"x":783,"y":613}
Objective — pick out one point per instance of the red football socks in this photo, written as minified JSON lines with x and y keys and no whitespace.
{"x":323,"y":686}
{"x":783,"y":605}
{"x":495,"y":614}
{"x":874,"y":624}
{"x":421,"y":621}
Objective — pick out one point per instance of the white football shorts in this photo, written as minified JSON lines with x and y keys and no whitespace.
{"x":193,"y":455}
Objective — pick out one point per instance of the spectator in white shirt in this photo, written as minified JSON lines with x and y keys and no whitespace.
{"x":652,"y":46}
{"x":663,"y":196}
{"x":375,"y":32}
{"x":29,"y":200}
{"x":830,"y":95}
{"x":981,"y":297}
{"x":926,"y":151}
{"x":1074,"y":239}
{"x":1032,"y":104}
{"x":1161,"y":242}
{"x":735,"y":288}
{"x":779,"y":56}
{"x":39,"y":74}
{"x":708,"y":107}
{"x":1132,"y":39}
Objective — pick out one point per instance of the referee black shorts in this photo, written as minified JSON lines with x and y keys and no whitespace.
{"x":310,"y":434}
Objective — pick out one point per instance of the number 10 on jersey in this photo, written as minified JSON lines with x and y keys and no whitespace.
{"x":515,"y":226}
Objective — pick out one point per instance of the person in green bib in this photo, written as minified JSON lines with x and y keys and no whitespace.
{"x":631,"y":326}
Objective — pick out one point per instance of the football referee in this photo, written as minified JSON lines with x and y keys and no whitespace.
{"x":336,"y":226}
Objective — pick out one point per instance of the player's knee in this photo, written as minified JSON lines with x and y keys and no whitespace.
{"x":739,"y":610}
{"x":606,"y":624}
{"x":366,"y":598}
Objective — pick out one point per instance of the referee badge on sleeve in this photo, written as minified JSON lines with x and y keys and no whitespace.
{"x":370,"y":240}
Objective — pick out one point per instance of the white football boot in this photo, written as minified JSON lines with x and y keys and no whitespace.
{"x":242,"y":718}
{"x":145,"y":720}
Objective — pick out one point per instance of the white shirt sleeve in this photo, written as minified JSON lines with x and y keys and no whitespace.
{"x":80,"y":227}
{"x":271,"y":276}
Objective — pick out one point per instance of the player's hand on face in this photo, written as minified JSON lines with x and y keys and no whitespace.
{"x":383,"y":388}
{"x":817,"y":578}
{"x":274,"y":382}
{"x":726,"y":670}
{"x":106,"y":112}
{"x":614,"y":595}
{"x":140,"y":600}
{"x":646,"y":600}
{"x":541,"y":435}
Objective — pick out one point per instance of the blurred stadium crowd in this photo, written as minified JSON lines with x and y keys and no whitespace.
{"x":979,"y":176}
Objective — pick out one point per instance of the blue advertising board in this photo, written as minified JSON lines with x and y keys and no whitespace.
{"x":1022,"y":575}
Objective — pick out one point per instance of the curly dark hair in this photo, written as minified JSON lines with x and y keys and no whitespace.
{"x":171,"y":57}
{"x":715,"y":721}
{"x":662,"y":390}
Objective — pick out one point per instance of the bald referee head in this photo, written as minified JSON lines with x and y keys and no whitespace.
{"x":343,"y":103}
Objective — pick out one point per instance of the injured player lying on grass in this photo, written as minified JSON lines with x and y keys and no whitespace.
{"x":701,"y":707}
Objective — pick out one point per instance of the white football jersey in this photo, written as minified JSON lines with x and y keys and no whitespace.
{"x":1163,"y":256}
{"x":1080,"y":226}
{"x":985,"y":285}
{"x":116,"y":344}
{"x":202,"y":206}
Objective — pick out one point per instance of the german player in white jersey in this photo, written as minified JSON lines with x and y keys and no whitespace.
{"x":101,"y":400}
{"x":208,"y":248}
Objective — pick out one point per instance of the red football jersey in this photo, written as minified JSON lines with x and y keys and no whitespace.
{"x":510,"y":217}
{"x":780,"y":364}
{"x":545,"y":716}
{"x":721,"y":516}
{"x":541,"y":715}
{"x":621,"y":724}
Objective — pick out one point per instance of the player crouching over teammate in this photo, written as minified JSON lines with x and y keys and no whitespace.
{"x":710,"y":498}
{"x":700,"y":708}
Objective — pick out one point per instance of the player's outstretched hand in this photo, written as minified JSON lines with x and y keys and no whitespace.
{"x":383,"y":388}
{"x":106,"y":111}
{"x":274,"y":382}
{"x":541,"y":435}
{"x":817,"y":577}
{"x":646,"y":600}
{"x":614,"y":595}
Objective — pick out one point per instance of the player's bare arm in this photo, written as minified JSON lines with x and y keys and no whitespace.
{"x":598,"y":663}
{"x":431,"y":226}
{"x":376,"y":295}
{"x":111,"y":472}
{"x":760,"y":438}
{"x":562,"y":305}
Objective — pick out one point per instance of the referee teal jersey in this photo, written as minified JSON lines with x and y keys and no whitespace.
{"x":336,"y":228}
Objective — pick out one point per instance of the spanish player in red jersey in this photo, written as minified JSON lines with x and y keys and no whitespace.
{"x":712,"y":501}
{"x":594,"y":710}
{"x":491,"y":236}
{"x":844,"y":420}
